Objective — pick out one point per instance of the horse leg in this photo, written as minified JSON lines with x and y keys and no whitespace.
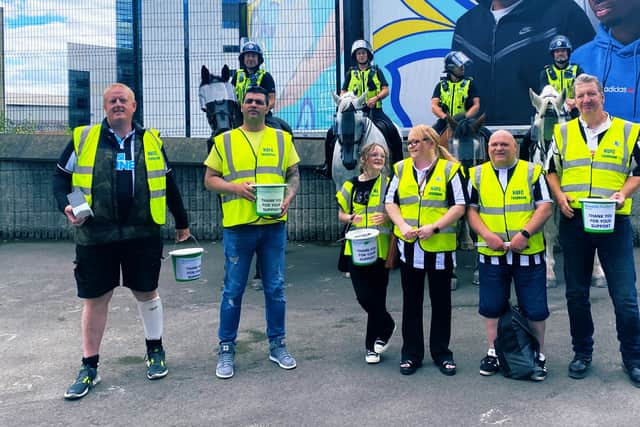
{"x":597,"y":279}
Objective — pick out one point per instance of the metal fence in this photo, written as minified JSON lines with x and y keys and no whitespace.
{"x":59,"y":58}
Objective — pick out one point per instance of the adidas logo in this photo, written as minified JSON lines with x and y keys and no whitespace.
{"x":618,"y":89}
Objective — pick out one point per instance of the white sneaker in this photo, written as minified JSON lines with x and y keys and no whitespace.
{"x":380,"y":346}
{"x":372,"y":357}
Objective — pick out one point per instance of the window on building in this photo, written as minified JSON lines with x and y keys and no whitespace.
{"x":230,"y":14}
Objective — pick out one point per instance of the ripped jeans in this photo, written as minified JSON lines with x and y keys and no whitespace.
{"x":240,"y":243}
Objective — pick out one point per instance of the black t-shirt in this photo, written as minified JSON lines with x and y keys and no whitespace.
{"x":362,"y":190}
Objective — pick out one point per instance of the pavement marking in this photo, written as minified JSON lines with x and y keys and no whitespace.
{"x":495,"y":417}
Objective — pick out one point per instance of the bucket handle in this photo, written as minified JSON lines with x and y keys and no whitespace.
{"x":175,"y":244}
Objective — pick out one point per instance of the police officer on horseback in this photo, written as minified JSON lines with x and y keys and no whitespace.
{"x":366,"y":78}
{"x":561,"y":73}
{"x":455,"y":93}
{"x":250,"y":73}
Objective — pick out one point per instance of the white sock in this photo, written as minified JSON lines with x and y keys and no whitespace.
{"x":541,"y":357}
{"x":492,"y":352}
{"x":151,"y":313}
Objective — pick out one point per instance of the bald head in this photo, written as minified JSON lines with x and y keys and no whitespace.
{"x":503,"y":149}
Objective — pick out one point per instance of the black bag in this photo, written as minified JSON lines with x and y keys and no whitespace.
{"x":343,"y":260}
{"x":516,"y":346}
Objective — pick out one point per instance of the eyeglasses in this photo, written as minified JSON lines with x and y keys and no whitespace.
{"x":253,"y":101}
{"x":417,"y":141}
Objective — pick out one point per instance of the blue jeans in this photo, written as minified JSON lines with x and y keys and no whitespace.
{"x":616,"y":255}
{"x":240,"y":243}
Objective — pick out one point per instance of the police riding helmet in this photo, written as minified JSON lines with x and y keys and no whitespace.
{"x":361,"y":44}
{"x":250,"y":47}
{"x":559,"y":42}
{"x":455,"y":59}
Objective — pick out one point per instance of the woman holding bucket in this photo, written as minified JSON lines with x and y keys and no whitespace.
{"x":361,"y":206}
{"x":425,"y":199}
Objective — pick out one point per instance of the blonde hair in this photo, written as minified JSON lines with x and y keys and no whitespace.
{"x":364,"y":154}
{"x":119,"y":86}
{"x":588,"y":78}
{"x":428,"y":133}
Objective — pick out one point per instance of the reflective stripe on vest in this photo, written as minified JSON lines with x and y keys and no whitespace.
{"x":85,"y":143}
{"x":419,"y":209}
{"x":243,"y":81}
{"x":454,"y":95}
{"x":375,"y":205}
{"x":562,"y":79}
{"x":506,"y":212}
{"x":603,"y":174}
{"x":241,"y":164}
{"x":359,"y":83}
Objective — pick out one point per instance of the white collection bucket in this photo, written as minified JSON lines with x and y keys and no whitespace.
{"x":598,"y":215}
{"x":187,"y":264}
{"x":269,"y":198}
{"x":364,"y":245}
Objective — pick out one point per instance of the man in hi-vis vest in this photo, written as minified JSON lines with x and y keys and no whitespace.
{"x":509,"y":204}
{"x":121,"y":171}
{"x":241,"y":161}
{"x":597,"y":156}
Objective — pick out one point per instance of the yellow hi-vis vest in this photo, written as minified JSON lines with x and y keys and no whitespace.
{"x":419,"y":209}
{"x":603,"y":174}
{"x":506,"y":212}
{"x":454,"y":95}
{"x":243,"y":81}
{"x":562,"y":79}
{"x":241,"y":164}
{"x":85,"y":143}
{"x":366,"y":81}
{"x":375,"y":205}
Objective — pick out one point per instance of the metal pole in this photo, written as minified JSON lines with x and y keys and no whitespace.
{"x":243,"y":30}
{"x":187,"y":76}
{"x":338,"y":47}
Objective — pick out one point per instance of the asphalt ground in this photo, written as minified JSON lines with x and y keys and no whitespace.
{"x":332,"y":385}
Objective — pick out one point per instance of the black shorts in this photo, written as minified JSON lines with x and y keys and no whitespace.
{"x":98,"y":267}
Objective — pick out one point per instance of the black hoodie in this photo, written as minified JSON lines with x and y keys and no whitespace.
{"x":508,"y":56}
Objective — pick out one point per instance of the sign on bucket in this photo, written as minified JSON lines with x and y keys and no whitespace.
{"x":364,"y":245}
{"x":598,"y":215}
{"x":187,"y":264}
{"x":269,"y":198}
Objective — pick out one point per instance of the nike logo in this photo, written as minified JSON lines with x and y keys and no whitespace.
{"x":525,"y":30}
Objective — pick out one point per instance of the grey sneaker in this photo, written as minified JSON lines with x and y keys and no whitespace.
{"x":278,"y":353}
{"x":87,"y":378}
{"x":540,"y":371}
{"x":156,"y":365}
{"x":224,"y":368}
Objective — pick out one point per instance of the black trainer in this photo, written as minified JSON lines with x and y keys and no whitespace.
{"x":579,"y":366}
{"x":489,"y":365}
{"x":540,"y":371}
{"x":87,"y":378}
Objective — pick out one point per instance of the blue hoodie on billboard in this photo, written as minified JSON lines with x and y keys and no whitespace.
{"x":617,"y":66}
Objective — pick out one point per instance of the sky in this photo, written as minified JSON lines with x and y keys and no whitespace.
{"x":36,"y":37}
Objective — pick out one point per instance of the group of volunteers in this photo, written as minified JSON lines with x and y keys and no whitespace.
{"x":415,"y":204}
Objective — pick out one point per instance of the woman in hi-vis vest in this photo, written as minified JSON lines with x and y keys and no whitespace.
{"x":361,"y":206}
{"x":425,"y":199}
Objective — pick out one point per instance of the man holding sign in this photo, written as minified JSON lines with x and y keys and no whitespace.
{"x":240,"y":160}
{"x":597,"y":156}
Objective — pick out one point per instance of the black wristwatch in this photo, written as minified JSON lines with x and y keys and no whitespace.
{"x":525,"y":233}
{"x":436,"y":230}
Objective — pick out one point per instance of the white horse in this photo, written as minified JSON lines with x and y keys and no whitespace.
{"x":354,"y":131}
{"x":550,"y":111}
